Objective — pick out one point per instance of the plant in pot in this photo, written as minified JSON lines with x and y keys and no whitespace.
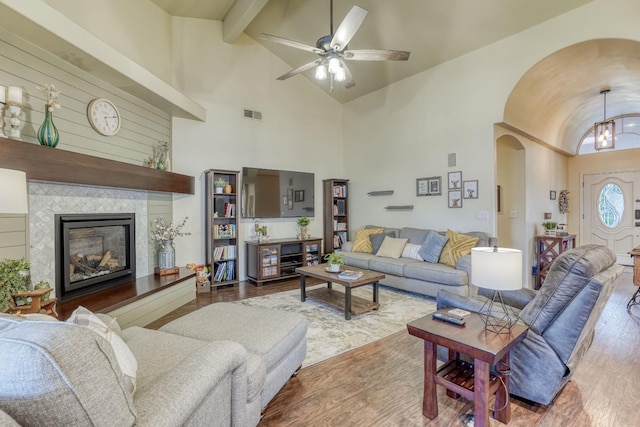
{"x":303,"y":222}
{"x":335,"y":260}
{"x":550,"y":227}
{"x":219,"y":184}
{"x":14,"y":278}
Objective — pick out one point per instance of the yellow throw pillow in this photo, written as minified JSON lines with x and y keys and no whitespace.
{"x":362,"y":243}
{"x":457,"y":246}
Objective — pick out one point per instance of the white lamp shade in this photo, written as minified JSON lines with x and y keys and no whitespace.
{"x":13,"y":192}
{"x":496,"y":268}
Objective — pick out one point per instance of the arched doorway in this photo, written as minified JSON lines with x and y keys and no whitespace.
{"x":510,"y":178}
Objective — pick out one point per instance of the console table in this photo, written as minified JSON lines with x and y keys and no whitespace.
{"x":473,"y":381}
{"x":635,"y":299}
{"x":548,"y":248}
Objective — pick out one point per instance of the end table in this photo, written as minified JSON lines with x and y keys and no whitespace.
{"x":460,"y":378}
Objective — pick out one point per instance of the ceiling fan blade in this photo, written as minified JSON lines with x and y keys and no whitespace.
{"x":348,"y":27}
{"x":376,"y":55}
{"x":348,"y":82}
{"x":300,"y":69}
{"x":290,"y":43}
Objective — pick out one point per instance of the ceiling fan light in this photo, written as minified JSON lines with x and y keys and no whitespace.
{"x":334,"y":65}
{"x":341,"y":75}
{"x":321,"y":72}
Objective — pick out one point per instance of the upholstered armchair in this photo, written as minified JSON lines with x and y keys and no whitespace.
{"x":561,"y":315}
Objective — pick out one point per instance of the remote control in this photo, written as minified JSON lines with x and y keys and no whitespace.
{"x":456,"y":320}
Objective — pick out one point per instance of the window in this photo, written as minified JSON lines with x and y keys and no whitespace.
{"x":611,"y":205}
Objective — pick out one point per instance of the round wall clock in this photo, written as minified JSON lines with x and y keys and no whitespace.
{"x":103,"y":116}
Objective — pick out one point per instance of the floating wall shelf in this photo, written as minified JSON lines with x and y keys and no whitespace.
{"x":380,"y":193}
{"x":399,"y":208}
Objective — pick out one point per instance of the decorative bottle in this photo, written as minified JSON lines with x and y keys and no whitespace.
{"x":48,"y":133}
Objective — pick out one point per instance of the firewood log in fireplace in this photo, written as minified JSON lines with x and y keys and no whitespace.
{"x":105,"y":258}
{"x":76,"y":261}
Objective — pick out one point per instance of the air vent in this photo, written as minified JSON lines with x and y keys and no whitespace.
{"x":250,"y":114}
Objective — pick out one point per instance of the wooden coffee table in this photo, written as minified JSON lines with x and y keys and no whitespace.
{"x":471,"y":381}
{"x":344,"y":301}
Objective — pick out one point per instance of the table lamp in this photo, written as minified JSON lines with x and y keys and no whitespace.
{"x":499,"y":269}
{"x":13,"y":192}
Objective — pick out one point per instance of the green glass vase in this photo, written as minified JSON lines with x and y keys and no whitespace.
{"x":48,"y":133}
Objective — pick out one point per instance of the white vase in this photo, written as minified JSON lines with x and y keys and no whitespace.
{"x":334,"y":268}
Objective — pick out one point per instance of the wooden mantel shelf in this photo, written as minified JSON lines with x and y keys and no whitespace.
{"x":61,"y":166}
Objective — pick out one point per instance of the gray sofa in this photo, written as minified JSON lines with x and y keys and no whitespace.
{"x":413,"y":275}
{"x":60,"y":373}
{"x":561,"y":316}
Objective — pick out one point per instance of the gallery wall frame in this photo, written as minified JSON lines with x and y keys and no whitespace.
{"x":431,"y":186}
{"x":470,"y":189}
{"x":455,"y":199}
{"x":455,"y":180}
{"x":552,"y":195}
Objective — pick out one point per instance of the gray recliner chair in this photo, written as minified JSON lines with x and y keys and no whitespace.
{"x":561,"y":316}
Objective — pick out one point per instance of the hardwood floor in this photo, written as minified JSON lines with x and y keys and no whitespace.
{"x":380,"y":384}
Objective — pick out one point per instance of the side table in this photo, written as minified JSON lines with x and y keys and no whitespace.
{"x":471,"y":381}
{"x":548,"y":248}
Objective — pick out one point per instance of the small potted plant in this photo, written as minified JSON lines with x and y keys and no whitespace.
{"x":219,"y":184}
{"x":335,"y":260}
{"x":14,"y":278}
{"x":550,"y":227}
{"x":303,"y":222}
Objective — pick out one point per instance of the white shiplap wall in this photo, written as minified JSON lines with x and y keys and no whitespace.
{"x":143,"y":125}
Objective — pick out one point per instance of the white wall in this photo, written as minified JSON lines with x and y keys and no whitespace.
{"x":301,"y":129}
{"x":138,"y":29}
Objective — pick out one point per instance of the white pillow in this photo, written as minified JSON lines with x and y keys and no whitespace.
{"x":411,"y":251}
{"x":126,"y":360}
{"x":391,"y":247}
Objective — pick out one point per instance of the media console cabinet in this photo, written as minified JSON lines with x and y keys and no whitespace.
{"x":277,"y":259}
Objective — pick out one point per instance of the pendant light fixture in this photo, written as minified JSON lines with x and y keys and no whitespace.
{"x":604,"y":132}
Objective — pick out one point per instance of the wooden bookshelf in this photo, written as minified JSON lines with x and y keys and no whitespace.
{"x":335,"y":213}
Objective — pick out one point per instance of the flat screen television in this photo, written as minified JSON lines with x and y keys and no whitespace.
{"x":271,"y":193}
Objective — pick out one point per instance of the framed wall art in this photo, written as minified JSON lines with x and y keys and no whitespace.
{"x":552,"y":195}
{"x":431,"y":186}
{"x":455,"y":180}
{"x":299,"y":196}
{"x":455,"y":199}
{"x":470,"y":189}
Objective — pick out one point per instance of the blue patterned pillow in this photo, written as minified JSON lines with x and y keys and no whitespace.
{"x":432,"y":247}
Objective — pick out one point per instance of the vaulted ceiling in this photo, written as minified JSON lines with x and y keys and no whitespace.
{"x":434,"y":31}
{"x":556,"y":101}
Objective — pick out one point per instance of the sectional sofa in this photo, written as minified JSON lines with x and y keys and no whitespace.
{"x":86,"y":371}
{"x":409,"y":272}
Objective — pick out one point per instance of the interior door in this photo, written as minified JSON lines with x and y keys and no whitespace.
{"x":609,"y":212}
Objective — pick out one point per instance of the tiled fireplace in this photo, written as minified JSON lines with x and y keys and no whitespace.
{"x":93,"y":252}
{"x":46,"y":200}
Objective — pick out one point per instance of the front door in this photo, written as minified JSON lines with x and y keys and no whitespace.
{"x":609,"y":212}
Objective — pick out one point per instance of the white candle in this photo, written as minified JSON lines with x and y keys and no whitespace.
{"x":3,"y":91}
{"x":14,"y":95}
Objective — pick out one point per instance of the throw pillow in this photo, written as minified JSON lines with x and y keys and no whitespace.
{"x":411,"y":251}
{"x":362,"y":242}
{"x":457,"y":246}
{"x":126,"y":360}
{"x":432,"y":247}
{"x":376,"y":240}
{"x":391,"y":247}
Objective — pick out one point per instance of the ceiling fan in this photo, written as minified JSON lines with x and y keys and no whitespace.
{"x":333,"y":51}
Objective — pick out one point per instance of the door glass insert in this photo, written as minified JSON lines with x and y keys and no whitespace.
{"x":611,"y":205}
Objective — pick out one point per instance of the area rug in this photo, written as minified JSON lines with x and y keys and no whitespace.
{"x":330,"y":334}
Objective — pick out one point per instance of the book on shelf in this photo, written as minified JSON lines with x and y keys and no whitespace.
{"x":224,"y":231}
{"x":340,"y":190}
{"x":350,"y":274}
{"x":229,"y":210}
{"x":224,"y":252}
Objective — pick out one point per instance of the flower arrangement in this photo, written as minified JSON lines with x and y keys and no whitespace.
{"x":51,"y":96}
{"x":162,"y":231}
